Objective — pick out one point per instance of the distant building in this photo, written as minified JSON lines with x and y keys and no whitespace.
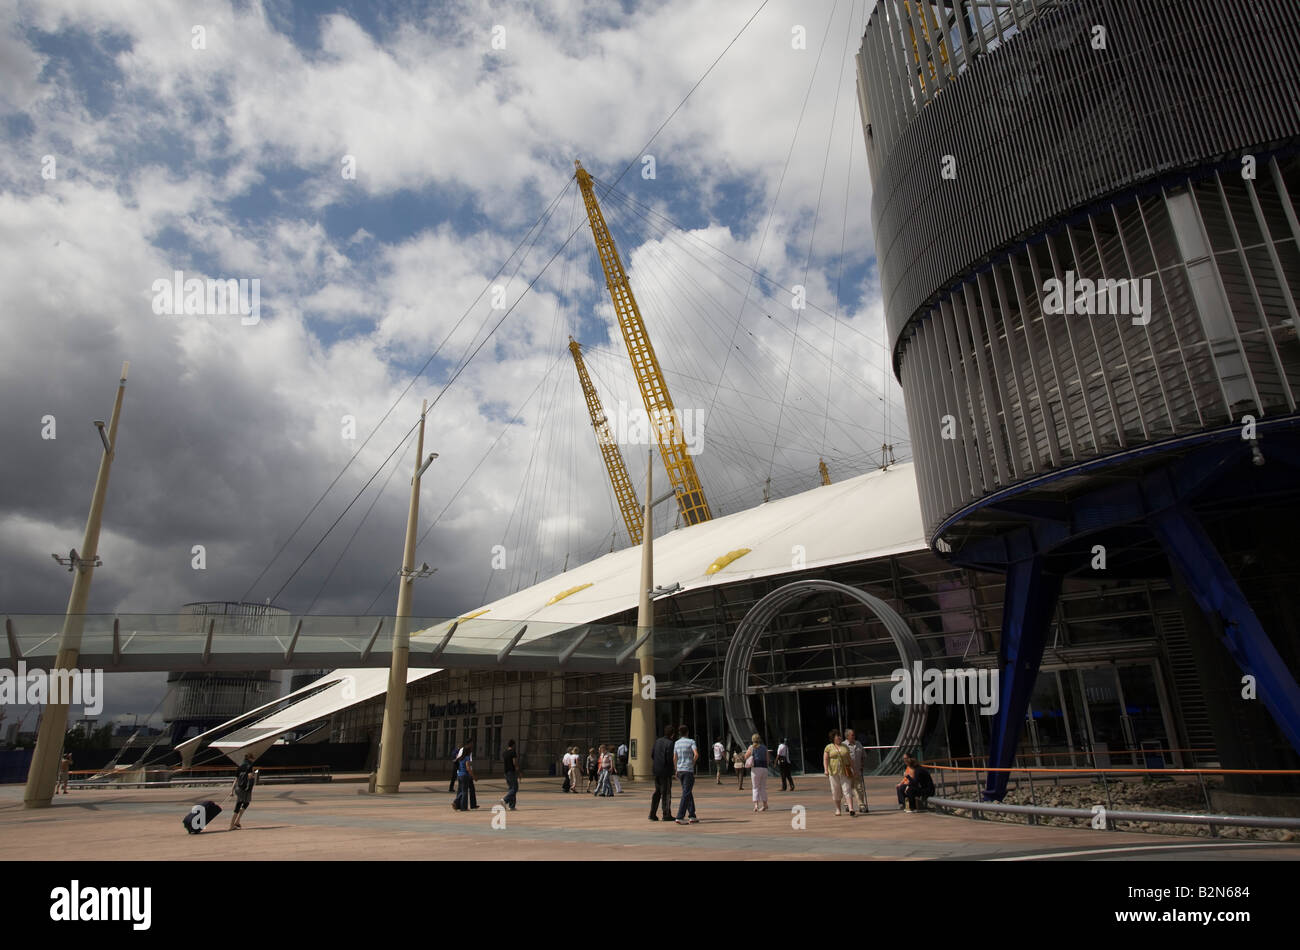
{"x":198,"y":701}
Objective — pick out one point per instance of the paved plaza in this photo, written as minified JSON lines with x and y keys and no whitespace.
{"x":340,"y":821}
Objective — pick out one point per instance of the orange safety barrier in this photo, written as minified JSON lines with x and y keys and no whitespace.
{"x":1132,"y":770}
{"x":1079,"y":753}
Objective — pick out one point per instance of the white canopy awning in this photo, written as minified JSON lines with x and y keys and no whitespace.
{"x":860,"y":519}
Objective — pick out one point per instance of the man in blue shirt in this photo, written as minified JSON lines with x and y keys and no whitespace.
{"x":686,"y":752}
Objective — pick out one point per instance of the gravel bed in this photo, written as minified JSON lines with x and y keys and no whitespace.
{"x":1128,"y":796}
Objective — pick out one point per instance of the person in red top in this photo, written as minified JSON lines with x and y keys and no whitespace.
{"x":907,"y":788}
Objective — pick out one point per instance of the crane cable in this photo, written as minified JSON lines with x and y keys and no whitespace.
{"x":812,"y":236}
{"x":401,"y":396}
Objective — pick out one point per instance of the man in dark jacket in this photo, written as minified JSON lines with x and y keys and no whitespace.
{"x":245,"y":779}
{"x":661,"y":759}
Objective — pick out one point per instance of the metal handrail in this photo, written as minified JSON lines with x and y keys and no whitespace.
{"x":1112,"y":815}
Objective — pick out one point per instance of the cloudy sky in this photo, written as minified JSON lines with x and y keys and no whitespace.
{"x":398,"y":178}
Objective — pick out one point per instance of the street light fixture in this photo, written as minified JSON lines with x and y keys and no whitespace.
{"x":427,"y":463}
{"x":424,"y":571}
{"x":75,"y":561}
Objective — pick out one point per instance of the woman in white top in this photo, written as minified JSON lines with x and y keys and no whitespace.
{"x":575,"y":767}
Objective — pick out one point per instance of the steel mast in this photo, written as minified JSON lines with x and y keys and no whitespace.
{"x":664,"y":419}
{"x":618,"y":476}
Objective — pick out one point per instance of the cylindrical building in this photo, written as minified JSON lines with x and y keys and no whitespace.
{"x":1085,"y":214}
{"x":198,"y":701}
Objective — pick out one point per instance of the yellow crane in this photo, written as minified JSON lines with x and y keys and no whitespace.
{"x":933,"y":43}
{"x":618,"y":476}
{"x":654,"y":391}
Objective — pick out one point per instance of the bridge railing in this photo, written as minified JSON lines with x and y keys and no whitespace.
{"x":200,"y":643}
{"x":133,"y":776}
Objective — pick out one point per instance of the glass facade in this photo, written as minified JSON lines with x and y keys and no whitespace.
{"x":827,"y":663}
{"x":1001,"y":389}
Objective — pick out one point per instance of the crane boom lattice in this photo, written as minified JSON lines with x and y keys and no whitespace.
{"x":654,"y":391}
{"x":618,"y":476}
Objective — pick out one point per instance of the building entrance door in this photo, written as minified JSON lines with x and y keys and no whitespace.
{"x":1122,"y":709}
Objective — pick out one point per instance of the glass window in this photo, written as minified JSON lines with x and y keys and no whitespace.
{"x":431,"y":742}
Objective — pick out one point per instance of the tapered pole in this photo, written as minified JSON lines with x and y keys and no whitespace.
{"x":390,"y":739}
{"x":643,"y":683}
{"x":44,"y":771}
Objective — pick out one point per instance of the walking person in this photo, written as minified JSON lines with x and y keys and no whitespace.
{"x":719,"y":759}
{"x":566,"y":764}
{"x":756,"y":758}
{"x":575,"y":768}
{"x":467,"y":750}
{"x":839,"y":768}
{"x":593,"y":766}
{"x":783,"y":764}
{"x":622,"y":762}
{"x":738,"y":762}
{"x":465,"y":797}
{"x":65,"y":773}
{"x":857,"y":754}
{"x":686,"y":753}
{"x":511,"y":769}
{"x":604,"y":769}
{"x":245,"y":779}
{"x":661,"y":762}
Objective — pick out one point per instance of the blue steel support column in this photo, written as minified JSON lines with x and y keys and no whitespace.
{"x":1194,"y":556}
{"x":1027,"y":608}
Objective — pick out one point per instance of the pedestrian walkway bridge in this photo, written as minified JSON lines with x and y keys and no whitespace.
{"x":149,"y":643}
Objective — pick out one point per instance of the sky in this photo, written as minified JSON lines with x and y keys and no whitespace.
{"x":398,"y":180}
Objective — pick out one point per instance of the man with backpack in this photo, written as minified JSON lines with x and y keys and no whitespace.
{"x":245,"y":779}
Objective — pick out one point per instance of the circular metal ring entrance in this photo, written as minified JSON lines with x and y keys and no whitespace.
{"x":735,"y":673}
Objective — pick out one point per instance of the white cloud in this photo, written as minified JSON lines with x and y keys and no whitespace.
{"x":230,"y":432}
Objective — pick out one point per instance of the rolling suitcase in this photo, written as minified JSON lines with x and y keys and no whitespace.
{"x":194,"y":823}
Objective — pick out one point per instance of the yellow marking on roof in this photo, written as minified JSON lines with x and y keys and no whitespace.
{"x":565,"y":593}
{"x":726,"y":559}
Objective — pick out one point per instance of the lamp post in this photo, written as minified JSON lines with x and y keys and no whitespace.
{"x":44,"y":771}
{"x":390,"y":738}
